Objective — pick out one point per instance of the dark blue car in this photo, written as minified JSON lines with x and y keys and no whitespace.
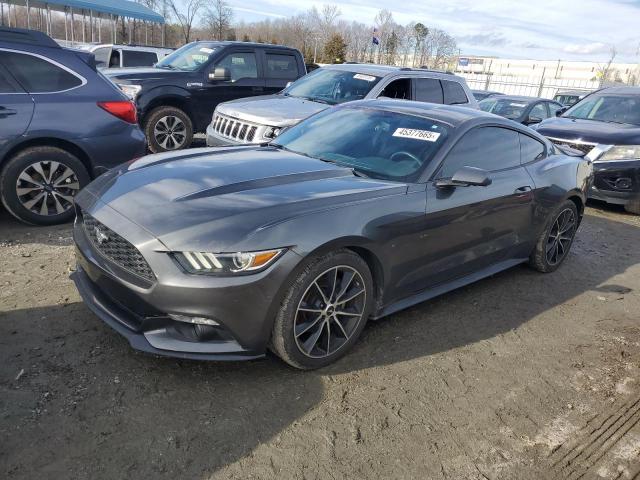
{"x":605,"y":126}
{"x":61,"y":124}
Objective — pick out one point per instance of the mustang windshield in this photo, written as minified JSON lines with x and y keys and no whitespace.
{"x":375,"y":143}
{"x":189,"y":57}
{"x":332,"y":86}
{"x":607,"y":108}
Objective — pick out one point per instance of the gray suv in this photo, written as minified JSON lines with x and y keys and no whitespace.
{"x":260,"y":119}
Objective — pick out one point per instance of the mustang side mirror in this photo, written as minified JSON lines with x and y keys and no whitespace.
{"x":220,"y":73}
{"x":466,"y":177}
{"x":531,"y":120}
{"x":560,"y":111}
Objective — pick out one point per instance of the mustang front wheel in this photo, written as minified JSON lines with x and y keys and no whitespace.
{"x":324,"y":310}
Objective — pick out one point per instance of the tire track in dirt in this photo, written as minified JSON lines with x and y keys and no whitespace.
{"x":575,"y":459}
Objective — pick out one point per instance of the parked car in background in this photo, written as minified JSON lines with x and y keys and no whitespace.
{"x":482,"y":94}
{"x":61,"y":124}
{"x":359,"y":211}
{"x":177,"y":97}
{"x":121,"y":56}
{"x":569,"y":97}
{"x":260,"y":119}
{"x":525,"y":110}
{"x":605,"y":126}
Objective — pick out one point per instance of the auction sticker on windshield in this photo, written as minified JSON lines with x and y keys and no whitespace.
{"x":360,"y":76}
{"x":424,"y":135}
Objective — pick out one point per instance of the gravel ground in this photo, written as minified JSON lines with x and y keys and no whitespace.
{"x":519,"y":376}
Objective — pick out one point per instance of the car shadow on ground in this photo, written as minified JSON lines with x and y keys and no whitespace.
{"x":186,"y":419}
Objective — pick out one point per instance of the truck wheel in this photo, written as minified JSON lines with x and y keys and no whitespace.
{"x":633,"y":206}
{"x":38,"y":184}
{"x":168,"y":128}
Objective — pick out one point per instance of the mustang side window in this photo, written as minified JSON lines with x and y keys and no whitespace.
{"x":488,"y":148}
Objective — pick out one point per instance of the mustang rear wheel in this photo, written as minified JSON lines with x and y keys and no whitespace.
{"x":324,"y":311}
{"x":555,"y":241}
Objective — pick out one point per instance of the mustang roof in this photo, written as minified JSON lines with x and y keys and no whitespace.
{"x":452,"y":114}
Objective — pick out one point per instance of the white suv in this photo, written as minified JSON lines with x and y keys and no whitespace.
{"x":121,"y":56}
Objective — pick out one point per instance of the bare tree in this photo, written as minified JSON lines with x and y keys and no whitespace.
{"x":605,"y":71}
{"x":218,"y":19}
{"x":186,"y":15}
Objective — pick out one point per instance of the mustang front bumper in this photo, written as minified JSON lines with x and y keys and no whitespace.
{"x":243,"y":306}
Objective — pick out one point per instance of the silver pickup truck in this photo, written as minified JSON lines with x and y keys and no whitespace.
{"x":260,"y":119}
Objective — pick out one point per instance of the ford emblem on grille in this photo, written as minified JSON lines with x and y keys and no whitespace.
{"x":101,"y":237}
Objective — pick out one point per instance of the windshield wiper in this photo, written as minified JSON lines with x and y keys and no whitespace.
{"x":359,"y":173}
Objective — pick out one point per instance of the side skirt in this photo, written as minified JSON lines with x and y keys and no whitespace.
{"x":433,"y":292}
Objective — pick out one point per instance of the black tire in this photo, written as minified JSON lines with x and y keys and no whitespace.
{"x":540,"y":258}
{"x":158,"y":120}
{"x":34,"y":160}
{"x":633,"y":206}
{"x":284,"y":341}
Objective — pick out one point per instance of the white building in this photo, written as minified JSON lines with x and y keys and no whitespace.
{"x":550,"y":69}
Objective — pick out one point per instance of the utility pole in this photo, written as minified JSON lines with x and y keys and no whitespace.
{"x":164,"y":25}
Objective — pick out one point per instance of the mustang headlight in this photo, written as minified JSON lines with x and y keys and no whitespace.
{"x":130,"y":91}
{"x":226,"y":263}
{"x":620,"y":152}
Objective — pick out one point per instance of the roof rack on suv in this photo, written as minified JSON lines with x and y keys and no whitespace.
{"x":30,"y":37}
{"x":425,"y":69}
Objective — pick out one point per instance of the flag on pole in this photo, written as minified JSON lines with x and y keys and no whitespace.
{"x":376,"y":36}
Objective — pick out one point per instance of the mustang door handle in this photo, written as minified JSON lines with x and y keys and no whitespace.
{"x":5,"y":112}
{"x":523,"y":189}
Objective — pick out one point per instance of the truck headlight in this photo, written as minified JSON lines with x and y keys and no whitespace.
{"x":226,"y":263}
{"x":130,"y":91}
{"x":620,"y":152}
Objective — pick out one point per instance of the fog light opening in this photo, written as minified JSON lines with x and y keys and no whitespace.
{"x":623,"y":183}
{"x":194,"y":320}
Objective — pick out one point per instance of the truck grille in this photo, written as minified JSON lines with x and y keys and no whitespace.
{"x":584,"y":147}
{"x":115,"y":248}
{"x":234,"y":129}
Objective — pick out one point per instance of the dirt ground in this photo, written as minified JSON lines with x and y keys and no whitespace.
{"x":520,"y":376}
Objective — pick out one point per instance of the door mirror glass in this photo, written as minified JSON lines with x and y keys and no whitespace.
{"x":466,"y":177}
{"x":531,"y":119}
{"x":220,"y":73}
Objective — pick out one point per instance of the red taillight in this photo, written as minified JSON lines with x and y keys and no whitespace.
{"x":124,"y":110}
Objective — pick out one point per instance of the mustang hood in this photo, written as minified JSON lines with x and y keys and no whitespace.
{"x":272,"y":110}
{"x":590,"y":131}
{"x":225,"y":194}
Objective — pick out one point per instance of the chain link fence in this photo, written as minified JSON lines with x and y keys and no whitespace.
{"x":529,"y":86}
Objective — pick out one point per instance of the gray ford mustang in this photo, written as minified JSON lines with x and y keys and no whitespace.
{"x":355,"y":213}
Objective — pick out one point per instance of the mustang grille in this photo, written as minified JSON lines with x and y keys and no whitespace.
{"x":115,"y":248}
{"x":234,"y":129}
{"x":584,"y":147}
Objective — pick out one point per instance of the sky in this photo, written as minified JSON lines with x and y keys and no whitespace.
{"x":534,"y":29}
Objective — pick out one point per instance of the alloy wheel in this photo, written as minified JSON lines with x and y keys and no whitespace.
{"x":47,"y":188}
{"x":330,"y":311}
{"x":560,"y":236}
{"x":170,"y":132}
